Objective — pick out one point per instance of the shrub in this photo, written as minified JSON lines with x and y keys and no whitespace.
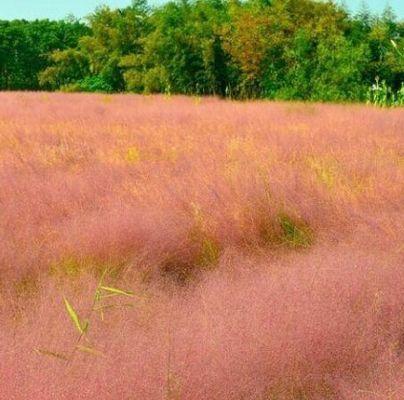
{"x":89,"y":84}
{"x":384,"y":96}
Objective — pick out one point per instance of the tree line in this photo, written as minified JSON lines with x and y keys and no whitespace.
{"x":277,"y":49}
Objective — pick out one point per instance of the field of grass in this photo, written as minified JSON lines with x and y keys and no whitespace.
{"x":259,"y":247}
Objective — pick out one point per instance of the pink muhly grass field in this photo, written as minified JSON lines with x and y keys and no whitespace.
{"x":262,"y":242}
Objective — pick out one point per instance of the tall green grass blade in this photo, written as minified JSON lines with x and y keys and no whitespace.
{"x":74,"y":317}
{"x":106,"y":296}
{"x":117,"y":291}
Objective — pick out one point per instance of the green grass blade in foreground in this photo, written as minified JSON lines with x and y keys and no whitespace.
{"x":117,"y":291}
{"x":74,"y":317}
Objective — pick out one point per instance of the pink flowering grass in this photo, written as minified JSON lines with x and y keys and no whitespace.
{"x":263,"y":242}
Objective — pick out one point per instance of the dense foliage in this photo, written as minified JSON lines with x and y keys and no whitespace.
{"x":299,"y":49}
{"x":25,"y":48}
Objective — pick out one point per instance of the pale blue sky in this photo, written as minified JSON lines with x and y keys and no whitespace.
{"x":57,"y":9}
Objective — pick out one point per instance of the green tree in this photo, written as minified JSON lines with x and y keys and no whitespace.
{"x":95,"y":61}
{"x":182,"y":53}
{"x":25,"y":46}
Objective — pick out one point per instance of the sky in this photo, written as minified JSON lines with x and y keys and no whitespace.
{"x":58,"y":9}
